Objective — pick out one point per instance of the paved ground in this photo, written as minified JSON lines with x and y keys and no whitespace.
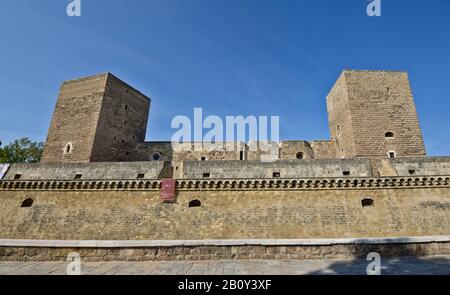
{"x":431,"y":265}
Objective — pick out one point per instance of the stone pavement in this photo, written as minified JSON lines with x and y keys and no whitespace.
{"x":431,"y":265}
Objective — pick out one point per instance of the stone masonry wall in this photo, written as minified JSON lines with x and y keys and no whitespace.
{"x":100,"y":117}
{"x":75,"y":120}
{"x":285,"y":168}
{"x":97,"y":171}
{"x":122,"y":122}
{"x":226,"y":214}
{"x":187,"y":253}
{"x":421,"y":166}
{"x":340,"y":119}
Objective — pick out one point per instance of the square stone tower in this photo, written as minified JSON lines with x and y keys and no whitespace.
{"x":96,"y":119}
{"x":372,"y":114}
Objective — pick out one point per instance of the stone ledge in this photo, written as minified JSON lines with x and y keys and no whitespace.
{"x":244,"y":242}
{"x":234,"y":184}
{"x":223,"y":252}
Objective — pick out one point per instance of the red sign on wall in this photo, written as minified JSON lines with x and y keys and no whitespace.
{"x":167,"y":194}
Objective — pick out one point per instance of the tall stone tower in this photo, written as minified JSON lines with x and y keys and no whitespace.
{"x":96,"y":119}
{"x":372,"y":114}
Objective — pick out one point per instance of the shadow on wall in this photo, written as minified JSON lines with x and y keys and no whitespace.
{"x":411,"y":262}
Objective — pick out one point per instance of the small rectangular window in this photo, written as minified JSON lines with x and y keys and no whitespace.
{"x":276,"y":175}
{"x":412,"y":172}
{"x":206,"y":175}
{"x":392,"y":155}
{"x":346,"y":173}
{"x":17,"y":176}
{"x":140,"y":176}
{"x":78,"y":176}
{"x":241,"y":155}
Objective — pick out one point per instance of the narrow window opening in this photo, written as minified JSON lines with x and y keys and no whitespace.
{"x":126,"y":107}
{"x":276,"y":175}
{"x":346,"y":173}
{"x":241,"y":155}
{"x":176,"y":168}
{"x":78,"y":176}
{"x":68,"y":148}
{"x":17,"y":176}
{"x":27,"y":203}
{"x":367,"y":203}
{"x":392,"y":155}
{"x":389,"y":135}
{"x":127,"y":153}
{"x":206,"y":175}
{"x":203,"y":159}
{"x":195,"y":203}
{"x":125,"y":123}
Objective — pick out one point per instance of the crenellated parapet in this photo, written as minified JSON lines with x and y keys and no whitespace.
{"x":233,"y":184}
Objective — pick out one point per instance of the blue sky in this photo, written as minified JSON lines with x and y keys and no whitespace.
{"x":234,"y":57}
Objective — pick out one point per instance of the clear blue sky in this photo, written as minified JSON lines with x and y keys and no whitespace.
{"x":233,"y":57}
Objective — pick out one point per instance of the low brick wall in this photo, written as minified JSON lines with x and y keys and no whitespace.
{"x":216,"y":250}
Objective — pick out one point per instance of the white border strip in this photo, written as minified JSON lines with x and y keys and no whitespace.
{"x":178,"y":243}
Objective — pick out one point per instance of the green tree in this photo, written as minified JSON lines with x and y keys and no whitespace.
{"x":21,"y":151}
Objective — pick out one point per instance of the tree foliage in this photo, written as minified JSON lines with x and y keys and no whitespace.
{"x":21,"y":151}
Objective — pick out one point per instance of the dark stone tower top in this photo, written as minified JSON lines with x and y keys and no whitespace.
{"x":372,"y":114}
{"x":96,"y":119}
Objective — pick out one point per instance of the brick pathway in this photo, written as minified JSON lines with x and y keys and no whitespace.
{"x":431,"y":265}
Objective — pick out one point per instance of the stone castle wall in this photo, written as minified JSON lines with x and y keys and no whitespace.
{"x":82,"y":171}
{"x":278,"y":169}
{"x":338,"y":168}
{"x":253,"y":209}
{"x":102,"y":119}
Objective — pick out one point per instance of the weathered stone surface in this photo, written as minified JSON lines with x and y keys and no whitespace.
{"x":100,"y":117}
{"x":225,"y":214}
{"x":363,"y":106}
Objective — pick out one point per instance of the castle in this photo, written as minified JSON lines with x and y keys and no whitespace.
{"x":100,"y":180}
{"x":102,"y":119}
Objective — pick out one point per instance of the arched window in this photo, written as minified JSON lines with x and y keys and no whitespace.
{"x":203,"y":159}
{"x":68,"y":148}
{"x":367,"y":202}
{"x":195,"y":203}
{"x":300,"y":156}
{"x":27,"y":203}
{"x":389,"y":135}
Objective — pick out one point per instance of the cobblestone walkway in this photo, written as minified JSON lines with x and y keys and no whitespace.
{"x":431,"y":265}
